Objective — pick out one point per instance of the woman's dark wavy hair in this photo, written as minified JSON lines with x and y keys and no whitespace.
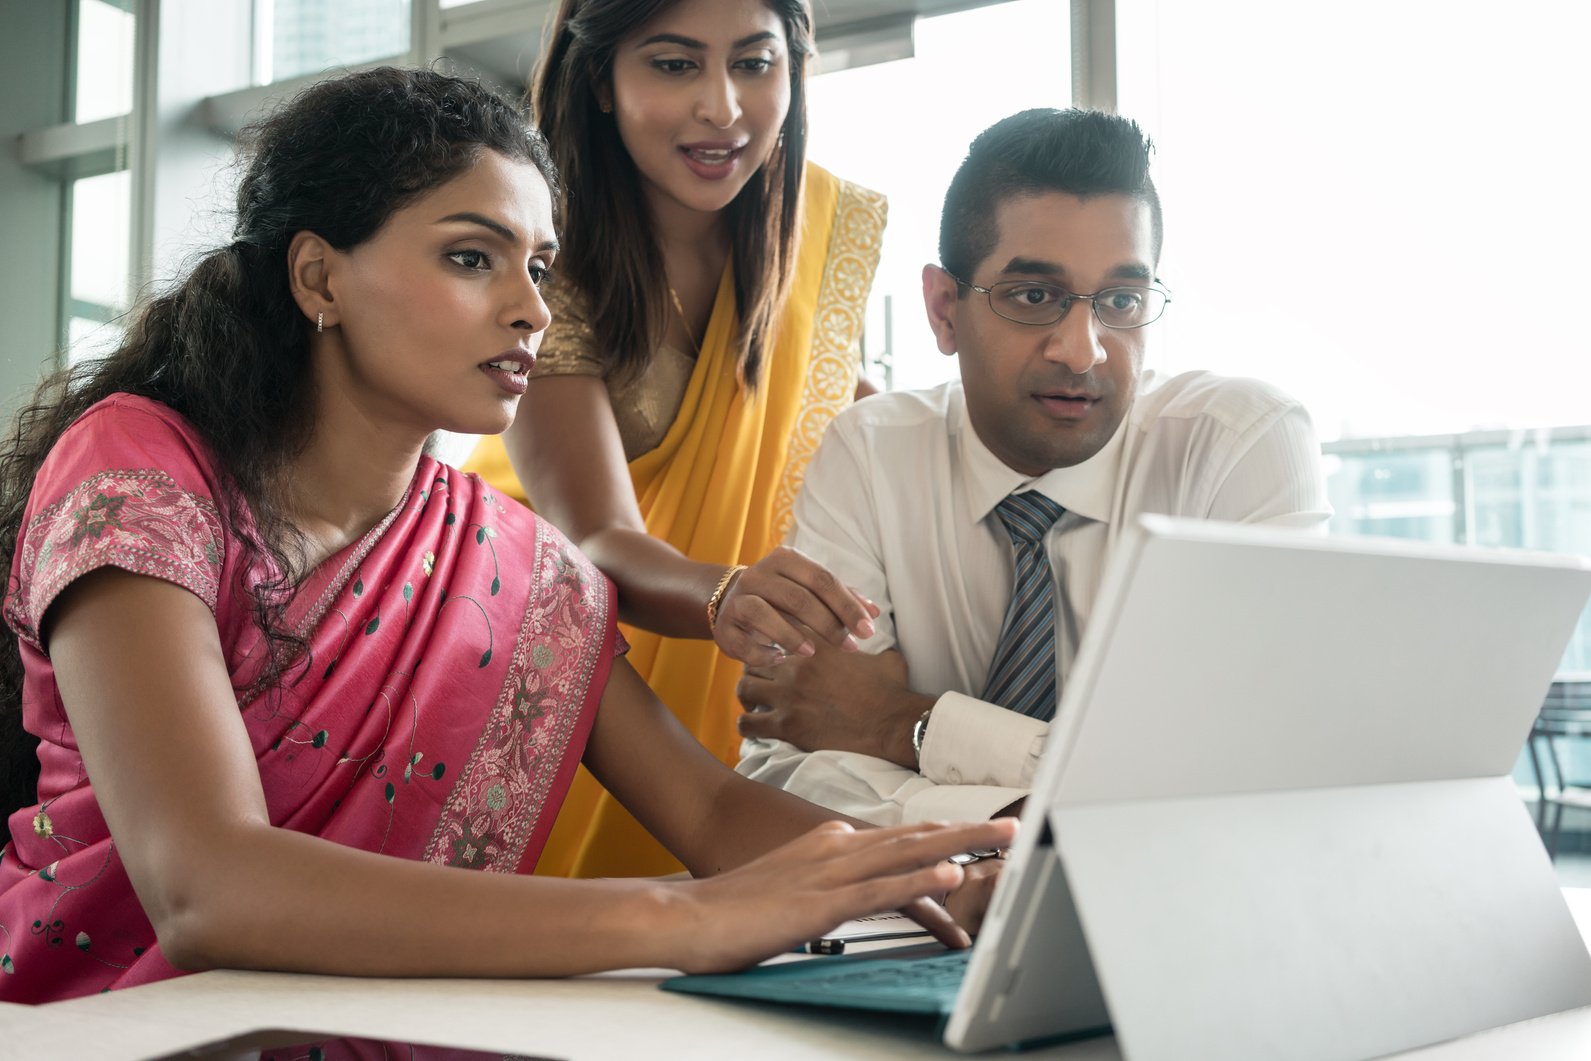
{"x":228,"y":348}
{"x":611,"y":259}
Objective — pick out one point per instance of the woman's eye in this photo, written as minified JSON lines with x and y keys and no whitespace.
{"x":471,"y":259}
{"x":757,"y":65}
{"x":672,"y":66}
{"x":539,"y":274}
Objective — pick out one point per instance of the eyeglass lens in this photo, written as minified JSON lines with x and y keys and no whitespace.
{"x":1027,"y":302}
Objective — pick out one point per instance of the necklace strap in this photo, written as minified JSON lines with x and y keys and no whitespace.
{"x":684,"y":321}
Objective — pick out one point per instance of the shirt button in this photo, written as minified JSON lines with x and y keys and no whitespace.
{"x":954,"y":775}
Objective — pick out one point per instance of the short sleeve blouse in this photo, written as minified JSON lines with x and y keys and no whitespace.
{"x":644,"y":406}
{"x":127,"y":485}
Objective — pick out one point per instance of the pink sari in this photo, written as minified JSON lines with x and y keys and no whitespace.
{"x":440,"y":714}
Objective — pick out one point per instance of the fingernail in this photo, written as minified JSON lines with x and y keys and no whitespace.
{"x":865,"y":628}
{"x":806,"y":649}
{"x":849,"y":644}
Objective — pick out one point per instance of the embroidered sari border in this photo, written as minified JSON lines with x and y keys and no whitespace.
{"x":550,"y":694}
{"x":855,"y":242}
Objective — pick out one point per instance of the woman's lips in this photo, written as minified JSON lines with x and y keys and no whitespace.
{"x":712,"y":162}
{"x":510,"y":372}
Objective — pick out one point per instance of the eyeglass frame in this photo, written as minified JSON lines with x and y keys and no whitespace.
{"x":1071,"y":297}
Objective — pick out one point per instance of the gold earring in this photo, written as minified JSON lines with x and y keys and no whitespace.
{"x":320,"y":323}
{"x":605,"y":107}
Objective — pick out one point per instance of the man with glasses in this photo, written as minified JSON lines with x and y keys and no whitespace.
{"x":979,"y":515}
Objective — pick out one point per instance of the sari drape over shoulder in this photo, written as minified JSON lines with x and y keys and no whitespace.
{"x":720,"y":485}
{"x":438,"y":713}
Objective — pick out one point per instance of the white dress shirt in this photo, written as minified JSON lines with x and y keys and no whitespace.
{"x":899,"y":503}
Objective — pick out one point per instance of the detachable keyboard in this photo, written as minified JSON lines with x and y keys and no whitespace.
{"x":917,"y":979}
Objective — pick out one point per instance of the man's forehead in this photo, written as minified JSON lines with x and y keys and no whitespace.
{"x":1053,"y":232}
{"x":1022,"y":265}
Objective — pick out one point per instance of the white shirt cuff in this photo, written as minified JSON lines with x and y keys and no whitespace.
{"x":973,"y":742}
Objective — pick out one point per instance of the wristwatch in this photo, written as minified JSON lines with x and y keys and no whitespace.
{"x":919,"y":731}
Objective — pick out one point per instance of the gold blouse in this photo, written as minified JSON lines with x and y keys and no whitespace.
{"x":644,"y":407}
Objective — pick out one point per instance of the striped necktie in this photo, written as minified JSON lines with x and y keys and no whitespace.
{"x":1022,"y":676}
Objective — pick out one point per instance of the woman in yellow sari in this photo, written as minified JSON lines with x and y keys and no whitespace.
{"x":706,"y":324}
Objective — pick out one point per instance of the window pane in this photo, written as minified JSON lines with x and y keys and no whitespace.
{"x":101,"y":211}
{"x":1535,"y":496}
{"x":88,"y":339}
{"x":308,"y":36}
{"x":104,"y":60}
{"x":1577,"y":657}
{"x":100,"y":237}
{"x":1395,"y":495}
{"x":901,"y":128}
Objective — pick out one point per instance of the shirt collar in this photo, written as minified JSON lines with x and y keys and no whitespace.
{"x":1088,"y":489}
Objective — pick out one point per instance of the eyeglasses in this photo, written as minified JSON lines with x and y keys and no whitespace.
{"x":1037,"y":303}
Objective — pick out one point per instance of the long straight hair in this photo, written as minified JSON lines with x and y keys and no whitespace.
{"x":613,"y":258}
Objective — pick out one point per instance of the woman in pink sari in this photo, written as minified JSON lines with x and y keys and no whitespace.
{"x":283,"y":685}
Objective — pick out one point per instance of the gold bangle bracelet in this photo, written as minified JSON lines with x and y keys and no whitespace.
{"x":719,"y":593}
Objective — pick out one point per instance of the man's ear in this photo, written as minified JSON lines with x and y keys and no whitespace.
{"x":309,"y":276}
{"x":940,"y":295}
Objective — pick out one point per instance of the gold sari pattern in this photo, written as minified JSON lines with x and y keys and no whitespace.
{"x":854,"y":248}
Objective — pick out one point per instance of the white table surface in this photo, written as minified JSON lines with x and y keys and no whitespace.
{"x":619,"y":1015}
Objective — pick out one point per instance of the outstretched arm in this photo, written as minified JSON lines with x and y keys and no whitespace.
{"x":565,"y":447}
{"x":145,"y":686}
{"x":715,"y":820}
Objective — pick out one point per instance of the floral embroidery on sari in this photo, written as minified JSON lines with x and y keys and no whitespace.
{"x":137,"y":520}
{"x":516,"y":769}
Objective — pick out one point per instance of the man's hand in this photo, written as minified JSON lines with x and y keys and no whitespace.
{"x":968,"y":903}
{"x":835,"y":700}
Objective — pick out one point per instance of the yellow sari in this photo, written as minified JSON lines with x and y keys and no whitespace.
{"x":719,"y":489}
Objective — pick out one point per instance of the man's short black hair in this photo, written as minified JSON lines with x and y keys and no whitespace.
{"x":1080,"y":152}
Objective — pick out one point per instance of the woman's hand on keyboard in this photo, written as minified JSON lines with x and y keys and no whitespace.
{"x":831,"y":874}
